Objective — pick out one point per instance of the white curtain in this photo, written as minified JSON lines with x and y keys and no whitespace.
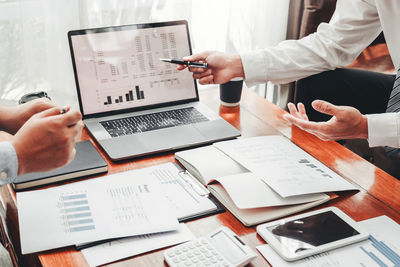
{"x":34,"y":52}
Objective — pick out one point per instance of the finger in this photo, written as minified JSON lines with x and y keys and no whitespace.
{"x":196,"y":70}
{"x":49,"y":112}
{"x":292,"y":108}
{"x":40,"y":104}
{"x":325,"y":107}
{"x":70,"y":118}
{"x":181,"y":67}
{"x":207,"y":80}
{"x":201,"y":75}
{"x":306,"y":125}
{"x":293,"y":111}
{"x":302,"y":111}
{"x":72,"y":155}
{"x":196,"y":57}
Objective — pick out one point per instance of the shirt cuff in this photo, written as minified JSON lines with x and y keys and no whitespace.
{"x":383,"y":129}
{"x":254,"y":67}
{"x":8,"y":163}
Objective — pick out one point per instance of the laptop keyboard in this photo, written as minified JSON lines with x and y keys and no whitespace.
{"x":154,"y":121}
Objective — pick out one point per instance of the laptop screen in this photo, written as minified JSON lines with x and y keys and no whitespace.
{"x":119,"y":68}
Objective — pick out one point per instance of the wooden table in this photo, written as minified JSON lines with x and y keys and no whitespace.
{"x":379,"y":194}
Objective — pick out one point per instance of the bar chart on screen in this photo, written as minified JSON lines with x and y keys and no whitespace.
{"x":122,"y":69}
{"x":121,"y":95}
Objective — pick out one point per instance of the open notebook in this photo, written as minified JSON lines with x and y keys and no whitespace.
{"x":249,"y":177}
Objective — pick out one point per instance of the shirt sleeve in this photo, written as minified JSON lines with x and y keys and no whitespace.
{"x":384,"y":129}
{"x":354,"y":25}
{"x":8,"y":163}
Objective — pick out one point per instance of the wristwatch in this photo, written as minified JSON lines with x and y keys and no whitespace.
{"x":32,"y":96}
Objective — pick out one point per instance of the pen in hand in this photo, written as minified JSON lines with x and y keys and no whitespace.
{"x":187,"y":63}
{"x":64,"y":110}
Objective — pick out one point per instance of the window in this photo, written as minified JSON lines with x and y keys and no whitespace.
{"x":34,"y":49}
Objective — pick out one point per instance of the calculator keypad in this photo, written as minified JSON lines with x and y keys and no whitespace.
{"x":195,"y":253}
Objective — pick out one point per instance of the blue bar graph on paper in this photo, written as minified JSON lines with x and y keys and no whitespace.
{"x":385,"y":250}
{"x":82,"y":228}
{"x":77,"y":209}
{"x":374,"y":257}
{"x":75,"y":203}
{"x":84,"y":221}
{"x":70,"y":197}
{"x":76,"y":212}
{"x":79,"y":215}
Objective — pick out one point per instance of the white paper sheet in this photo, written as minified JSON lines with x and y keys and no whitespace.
{"x":182,"y":200}
{"x":382,"y":249}
{"x":288,"y":169}
{"x":248,"y":191}
{"x":180,"y":196}
{"x":128,"y":247}
{"x":201,"y":157}
{"x":118,"y":206}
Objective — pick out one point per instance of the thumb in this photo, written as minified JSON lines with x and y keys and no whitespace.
{"x":196,"y":57}
{"x":325,"y":107}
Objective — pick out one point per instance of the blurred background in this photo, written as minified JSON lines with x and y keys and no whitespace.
{"x":34,"y":52}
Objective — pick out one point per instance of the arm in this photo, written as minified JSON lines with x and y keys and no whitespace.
{"x":354,"y":25}
{"x":45,"y":142}
{"x":348,"y":123}
{"x":13,"y":117}
{"x":8,"y":163}
{"x":384,"y":129}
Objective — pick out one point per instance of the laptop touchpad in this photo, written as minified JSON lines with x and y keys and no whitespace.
{"x":171,"y":137}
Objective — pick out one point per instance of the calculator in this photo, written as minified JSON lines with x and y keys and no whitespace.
{"x":220,"y":248}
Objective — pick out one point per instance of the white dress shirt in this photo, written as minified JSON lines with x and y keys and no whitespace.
{"x":8,"y":163}
{"x":354,"y":25}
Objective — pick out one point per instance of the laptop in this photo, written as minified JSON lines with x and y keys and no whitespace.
{"x":132,"y":103}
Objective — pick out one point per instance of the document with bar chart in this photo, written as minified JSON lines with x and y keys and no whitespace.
{"x":122,"y":69}
{"x":91,"y":211}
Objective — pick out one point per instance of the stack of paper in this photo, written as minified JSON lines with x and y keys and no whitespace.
{"x":145,"y":201}
{"x":285,"y":167}
{"x":72,"y":214}
{"x":128,"y":247}
{"x":262,"y":178}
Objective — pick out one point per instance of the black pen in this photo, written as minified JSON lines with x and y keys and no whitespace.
{"x":187,"y":63}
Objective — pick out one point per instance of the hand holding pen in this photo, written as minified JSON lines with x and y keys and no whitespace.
{"x":221,"y":67}
{"x":186,"y":63}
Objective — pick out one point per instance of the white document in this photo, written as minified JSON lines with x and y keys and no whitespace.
{"x":128,"y":247}
{"x":381,"y":249}
{"x":114,"y":206}
{"x":285,"y":167}
{"x":184,"y":201}
{"x":181,"y":198}
{"x":248,"y":191}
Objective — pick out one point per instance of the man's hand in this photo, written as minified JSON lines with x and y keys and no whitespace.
{"x":14,"y":117}
{"x":346,"y":122}
{"x":221,"y":67}
{"x":47,"y":140}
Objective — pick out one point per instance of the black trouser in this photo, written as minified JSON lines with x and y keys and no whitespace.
{"x":365,"y":90}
